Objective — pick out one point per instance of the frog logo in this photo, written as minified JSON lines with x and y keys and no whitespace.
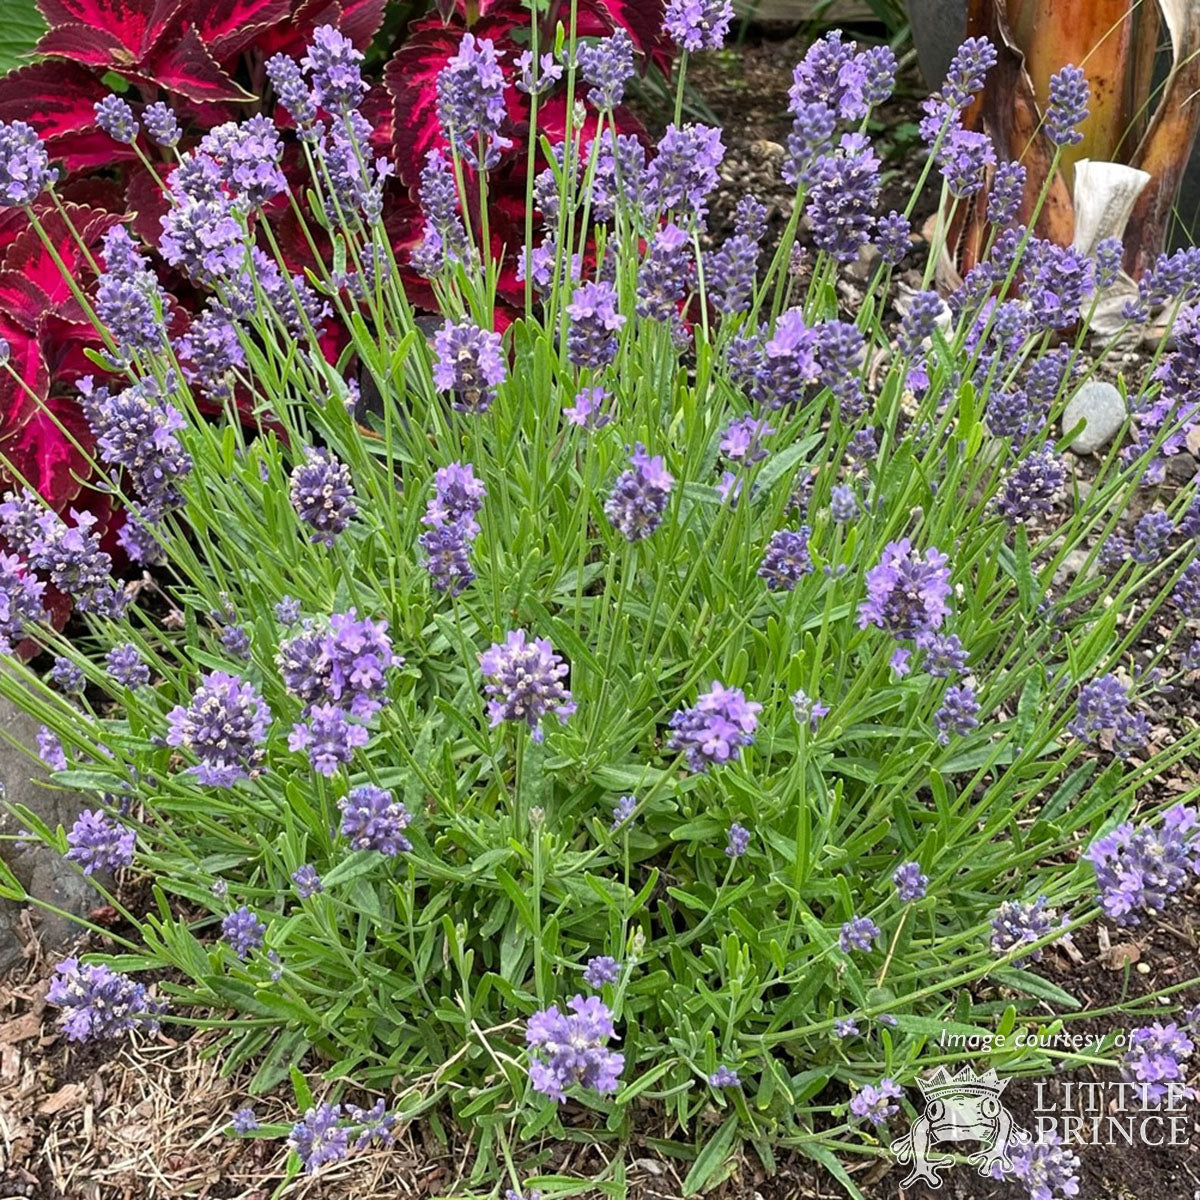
{"x":959,"y":1108}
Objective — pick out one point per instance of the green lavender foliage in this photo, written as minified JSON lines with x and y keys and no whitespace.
{"x":415,"y":973}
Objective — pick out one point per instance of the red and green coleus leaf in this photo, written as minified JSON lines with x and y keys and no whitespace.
{"x":226,"y":29}
{"x":46,"y":456}
{"x":133,"y":25}
{"x":359,"y":20}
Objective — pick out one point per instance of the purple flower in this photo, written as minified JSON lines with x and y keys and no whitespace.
{"x":595,"y":323}
{"x":375,"y":1124}
{"x":920,"y":321}
{"x":337,"y":82}
{"x":807,"y":710}
{"x":964,"y":157}
{"x":972,"y":61}
{"x":944,"y":654}
{"x":731,"y":271}
{"x":910,"y":884}
{"x":341,"y":660}
{"x":244,"y":1121}
{"x":1017,"y":924}
{"x":1157,"y":1060}
{"x":1032,"y":487}
{"x":623,"y":812}
{"x":471,"y":104}
{"x":1103,"y":710}
{"x":470,"y":365}
{"x":320,"y":1137}
{"x":712,"y":732}
{"x":125,"y":665}
{"x":20,"y":600}
{"x":892,"y":234}
{"x":790,"y":360}
{"x":601,"y":970}
{"x":874,"y":1104}
{"x":906,"y":594}
{"x":843,"y":504}
{"x":100,"y":1003}
{"x":1046,"y":1167}
{"x":684,"y":170}
{"x":25,"y":170}
{"x":1004,"y":196}
{"x":67,"y":676}
{"x":843,"y":192}
{"x":322,"y":494}
{"x":588,"y":409}
{"x":525,"y":682}
{"x":724,"y":1077}
{"x":287,"y":611}
{"x":813,"y":125}
{"x":606,"y":65}
{"x":130,"y":301}
{"x":330,"y":738}
{"x":743,"y":439}
{"x":71,"y":556}
{"x":50,"y":749}
{"x":1110,"y":252}
{"x":639,"y":496}
{"x":1150,"y":536}
{"x":739,"y":841}
{"x":243,"y":931}
{"x":224,"y":726}
{"x":98,"y":842}
{"x":786,"y":560}
{"x":248,"y":154}
{"x":162,"y":125}
{"x":549,"y":72}
{"x":308,"y":882}
{"x":698,"y":24}
{"x":572,"y":1047}
{"x":373,"y":819}
{"x":1058,"y":279}
{"x":211,"y":352}
{"x":200,"y":233}
{"x":1138,"y":869}
{"x":666,"y":275}
{"x":1068,"y":106}
{"x":958,"y":714}
{"x":859,"y":933}
{"x":448,"y":556}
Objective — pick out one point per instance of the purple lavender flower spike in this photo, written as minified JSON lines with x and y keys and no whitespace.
{"x":874,"y":1104}
{"x":964,"y":159}
{"x":607,"y":65}
{"x":739,"y":841}
{"x":845,"y":1027}
{"x":1068,"y":106}
{"x":807,"y":710}
{"x":724,"y":1077}
{"x":684,"y":170}
{"x":743,"y":439}
{"x":99,"y":842}
{"x":329,"y":737}
{"x":906,"y":594}
{"x":623,"y":812}
{"x":470,"y":366}
{"x":25,"y":170}
{"x":910,"y":884}
{"x":712,"y":732}
{"x":162,"y":125}
{"x":1004,"y":196}
{"x":50,"y":749}
{"x":524,"y":682}
{"x":322,"y":494}
{"x":471,"y":105}
{"x":1150,"y":536}
{"x":1104,"y":710}
{"x":944,"y":654}
{"x":698,"y":24}
{"x":20,"y":601}
{"x":1017,"y":924}
{"x":97,"y":1002}
{"x":892,"y":238}
{"x":248,"y":154}
{"x":71,"y":557}
{"x":67,"y":676}
{"x":639,"y":496}
{"x":1046,"y":1167}
{"x":337,"y":82}
{"x":572,"y":1047}
{"x":224,"y":726}
{"x":373,"y":819}
{"x":589,"y":409}
{"x":1157,"y":1059}
{"x":308,"y":882}
{"x":843,"y":195}
{"x":859,"y":933}
{"x":1138,"y":870}
{"x":958,"y":714}
{"x":666,"y":274}
{"x":244,"y":1121}
{"x":595,"y":324}
{"x":786,"y":560}
{"x":549,"y":72}
{"x":1032,"y":487}
{"x":601,"y":970}
{"x":244,"y":932}
{"x":320,"y":1138}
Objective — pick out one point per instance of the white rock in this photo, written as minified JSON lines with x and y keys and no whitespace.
{"x":1102,"y":407}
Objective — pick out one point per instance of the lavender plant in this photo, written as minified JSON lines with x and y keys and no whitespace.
{"x":693,"y":636}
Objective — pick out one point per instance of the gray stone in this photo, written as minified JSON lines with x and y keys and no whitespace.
{"x":41,"y":871}
{"x":1102,"y":407}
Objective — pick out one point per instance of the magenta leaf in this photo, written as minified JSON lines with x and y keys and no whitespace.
{"x":136,"y":25}
{"x":227,"y":27}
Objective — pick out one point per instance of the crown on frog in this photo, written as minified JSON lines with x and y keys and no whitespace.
{"x":942,"y":1083}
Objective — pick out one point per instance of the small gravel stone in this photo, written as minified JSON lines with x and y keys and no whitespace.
{"x":1102,"y":407}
